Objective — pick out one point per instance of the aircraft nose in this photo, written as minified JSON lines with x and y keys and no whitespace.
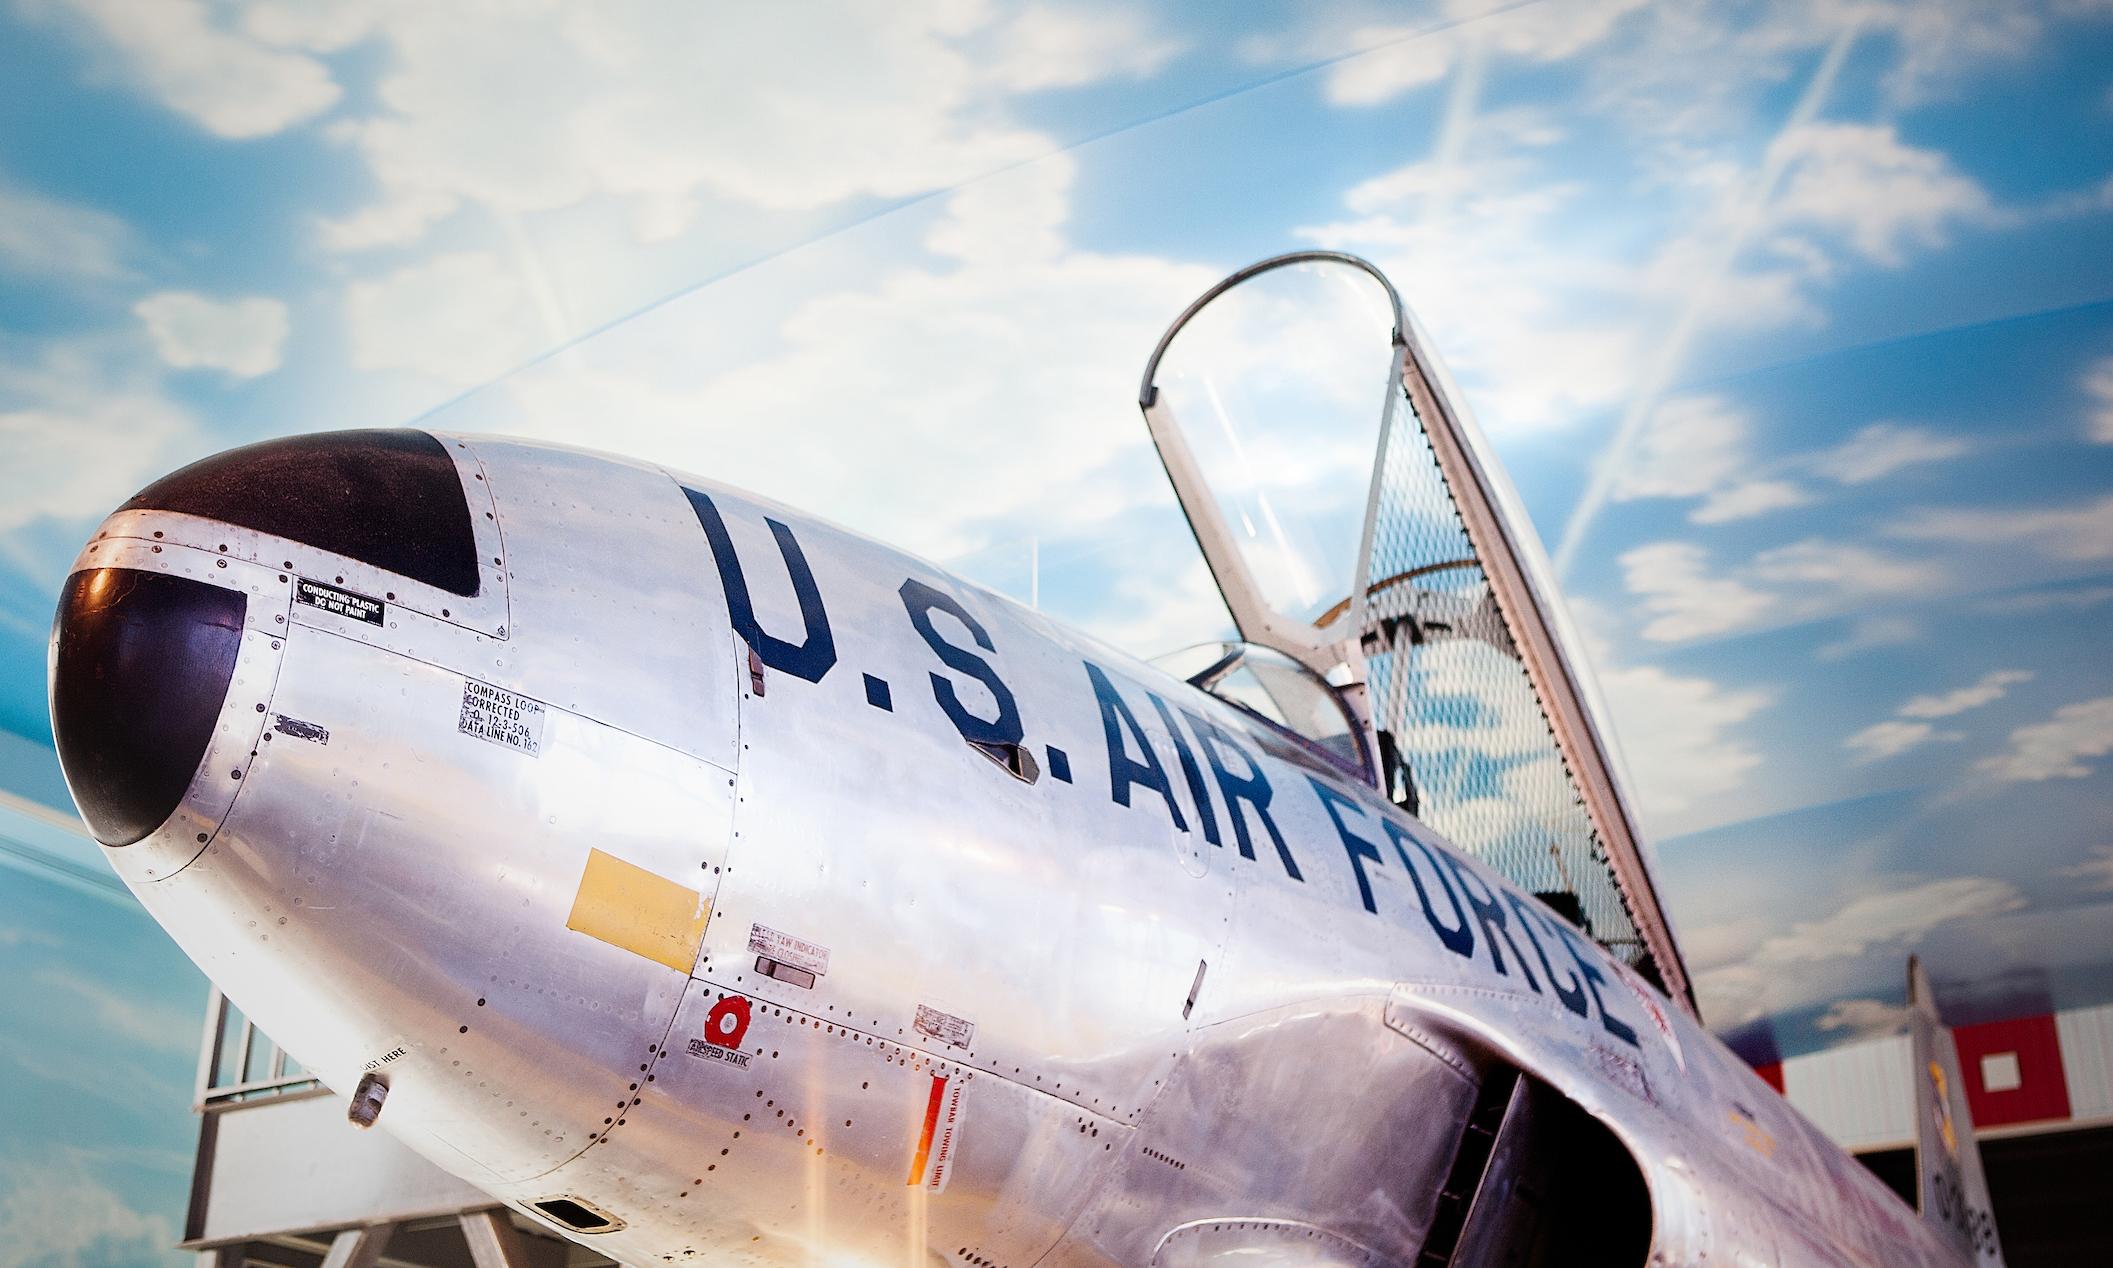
{"x":140,"y":669}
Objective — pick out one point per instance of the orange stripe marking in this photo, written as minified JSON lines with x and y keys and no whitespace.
{"x":931,"y":1126}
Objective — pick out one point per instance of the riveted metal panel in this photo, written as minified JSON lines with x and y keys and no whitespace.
{"x":401,"y":892}
{"x":1253,"y":1243}
{"x":1317,"y":1113}
{"x":928,"y":875}
{"x":617,"y":611}
{"x":796,"y":1138}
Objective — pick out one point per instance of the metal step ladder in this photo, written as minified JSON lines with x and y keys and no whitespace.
{"x":282,"y":1180}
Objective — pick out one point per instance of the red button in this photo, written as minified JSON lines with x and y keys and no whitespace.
{"x":727,"y":1023}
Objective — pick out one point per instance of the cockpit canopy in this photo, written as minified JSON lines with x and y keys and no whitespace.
{"x":1355,"y":522}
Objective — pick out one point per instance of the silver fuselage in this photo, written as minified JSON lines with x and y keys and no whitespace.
{"x":916,"y":1008}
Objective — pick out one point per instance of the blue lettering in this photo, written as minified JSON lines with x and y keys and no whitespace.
{"x":1123,"y":770}
{"x":919,"y":599}
{"x":1252,"y":789}
{"x":815,"y":654}
{"x":1458,"y":937}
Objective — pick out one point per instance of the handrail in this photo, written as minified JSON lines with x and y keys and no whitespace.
{"x":210,"y":1095}
{"x":1148,"y":391}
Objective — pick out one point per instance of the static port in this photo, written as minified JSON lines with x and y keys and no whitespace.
{"x":367,"y":1100}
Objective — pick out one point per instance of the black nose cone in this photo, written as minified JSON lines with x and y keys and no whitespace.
{"x":387,"y":498}
{"x":140,"y":671}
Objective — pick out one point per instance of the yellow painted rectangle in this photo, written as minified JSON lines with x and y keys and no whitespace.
{"x":627,"y":906}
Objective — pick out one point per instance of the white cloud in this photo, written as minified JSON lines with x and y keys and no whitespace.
{"x":1679,"y":736}
{"x":1942,"y":42}
{"x":225,"y":81}
{"x":2088,"y":201}
{"x":1861,"y":183}
{"x":1883,"y":448}
{"x":43,"y":237}
{"x":1848,"y":188}
{"x":1761,"y":244}
{"x":397,"y":219}
{"x":1537,"y":316}
{"x":2096,"y":871}
{"x":1892,"y":916}
{"x":1689,"y":446}
{"x":304,"y":24}
{"x":1693,"y":66}
{"x":1048,"y":47}
{"x":1864,"y":1018}
{"x":140,"y":1023}
{"x":2055,"y":749}
{"x":2098,"y":387}
{"x":1991,"y":688}
{"x":1891,"y":738}
{"x":461,"y":318}
{"x":956,"y":363}
{"x":1747,"y":500}
{"x":1842,"y":571}
{"x":1670,"y":67}
{"x":668,"y":108}
{"x":1910,"y":727}
{"x":2036,"y":602}
{"x":1725,"y":942}
{"x":1154,"y":607}
{"x":58,"y":1215}
{"x":1803,"y":964}
{"x":1680,"y":596}
{"x":240,"y":336}
{"x":90,"y":432}
{"x":2079,"y":533}
{"x":1763,"y":238}
{"x":1698,"y":447}
{"x":1683,"y":599}
{"x":1868,"y":633}
{"x":1546,"y":321}
{"x":1404,"y":57}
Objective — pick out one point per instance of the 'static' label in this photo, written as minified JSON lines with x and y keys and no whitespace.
{"x":713,"y":1052}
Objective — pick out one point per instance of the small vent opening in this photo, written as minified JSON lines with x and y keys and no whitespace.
{"x":1014,"y":758}
{"x":578,"y":1215}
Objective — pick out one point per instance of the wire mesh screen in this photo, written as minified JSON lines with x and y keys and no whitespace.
{"x":1449,"y":689}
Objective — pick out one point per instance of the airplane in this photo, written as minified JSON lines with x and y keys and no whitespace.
{"x":711,"y":883}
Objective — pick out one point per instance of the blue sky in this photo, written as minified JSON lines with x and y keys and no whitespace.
{"x":1793,"y":323}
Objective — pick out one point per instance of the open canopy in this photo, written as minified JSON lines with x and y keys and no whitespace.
{"x":1355,"y":522}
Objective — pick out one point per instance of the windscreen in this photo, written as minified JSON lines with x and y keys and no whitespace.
{"x":1280,"y":691}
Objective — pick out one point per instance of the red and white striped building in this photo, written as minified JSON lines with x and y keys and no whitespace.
{"x":2045,"y":1072}
{"x":2040,"y":1089}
